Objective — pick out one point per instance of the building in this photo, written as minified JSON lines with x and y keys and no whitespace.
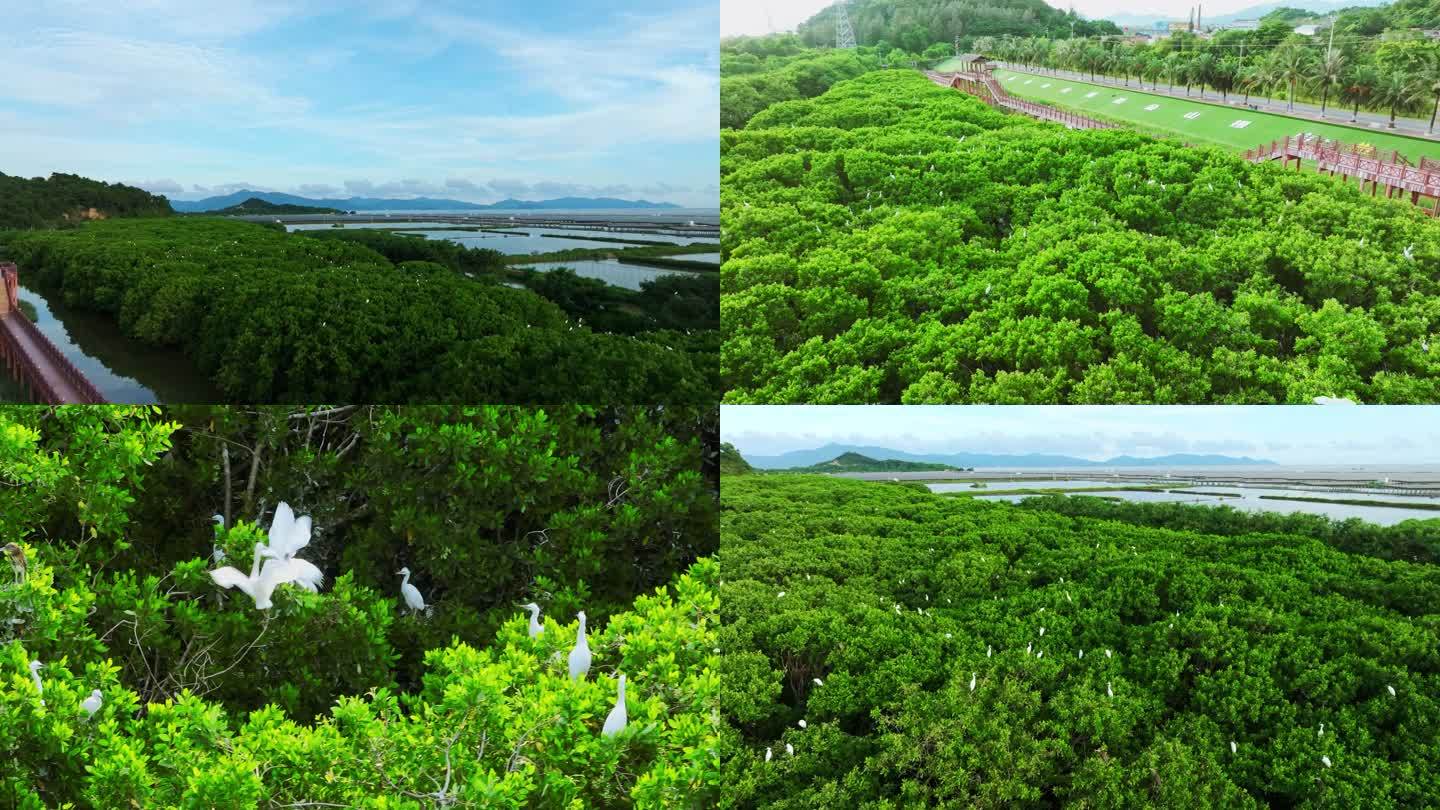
{"x":1240,"y":25}
{"x":975,"y":62}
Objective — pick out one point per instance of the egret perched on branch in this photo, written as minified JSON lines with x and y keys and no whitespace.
{"x":1232,"y":746}
{"x":790,"y":749}
{"x":580,"y":654}
{"x":819,"y":682}
{"x":92,"y":704}
{"x":410,"y":593}
{"x":768,"y":754}
{"x":1109,"y":691}
{"x":258,"y":584}
{"x":615,"y":723}
{"x":536,"y":628}
{"x":801,"y":724}
{"x":1325,"y":760}
{"x":1392,"y":690}
{"x":972,"y":682}
{"x":35,"y":676}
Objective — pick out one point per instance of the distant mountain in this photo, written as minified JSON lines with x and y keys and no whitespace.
{"x":810,"y":458}
{"x":855,"y":462}
{"x":1147,"y":19}
{"x":258,"y":206}
{"x":417,"y":204}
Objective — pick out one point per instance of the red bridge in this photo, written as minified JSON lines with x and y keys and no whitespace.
{"x":30,"y":356}
{"x":1367,"y":164}
{"x":983,"y":84}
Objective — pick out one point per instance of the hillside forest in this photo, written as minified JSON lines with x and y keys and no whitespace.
{"x":444,"y":607}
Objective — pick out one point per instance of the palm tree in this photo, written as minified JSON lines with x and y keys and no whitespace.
{"x":1328,"y":72}
{"x":1247,"y":77}
{"x":1359,"y":87}
{"x":1268,"y":75}
{"x":1227,"y":70}
{"x":1429,"y":75}
{"x":1397,"y":89}
{"x":1292,"y":63}
{"x":1174,"y":67}
{"x":1202,"y":70}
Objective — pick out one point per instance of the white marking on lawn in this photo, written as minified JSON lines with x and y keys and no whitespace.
{"x":1027,"y":81}
{"x":1092,"y":94}
{"x":1044,"y":86}
{"x":1239,"y":124}
{"x":1192,"y":115}
{"x":1066,"y":89}
{"x":1120,"y":100}
{"x":1151,"y":107}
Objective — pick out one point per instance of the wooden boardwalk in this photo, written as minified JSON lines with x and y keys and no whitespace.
{"x":1365,"y":164}
{"x":987,"y":89}
{"x":31,"y":358}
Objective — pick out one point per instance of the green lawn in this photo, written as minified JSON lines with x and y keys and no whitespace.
{"x":1212,"y":125}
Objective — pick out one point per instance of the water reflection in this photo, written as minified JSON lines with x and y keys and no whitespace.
{"x":609,"y":271}
{"x":124,"y":369}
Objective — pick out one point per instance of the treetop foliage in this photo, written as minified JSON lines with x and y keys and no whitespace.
{"x":47,"y":202}
{"x":951,"y":653}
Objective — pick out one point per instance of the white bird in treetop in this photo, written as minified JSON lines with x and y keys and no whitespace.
{"x":1325,"y":760}
{"x":1410,"y":252}
{"x":1042,"y":632}
{"x":801,"y":724}
{"x":92,"y":704}
{"x":410,"y":593}
{"x":35,"y":676}
{"x":1082,"y":654}
{"x":580,"y":653}
{"x":790,"y":749}
{"x":1107,"y":653}
{"x":289,"y":534}
{"x":615,"y":722}
{"x":768,"y":754}
{"x":780,"y":595}
{"x":1109,"y":691}
{"x":1321,"y":732}
{"x":1392,"y":690}
{"x":972,"y":682}
{"x":1028,"y":648}
{"x":259,"y":584}
{"x":536,"y":628}
{"x":1232,"y":746}
{"x":988,"y":650}
{"x":819,"y":682}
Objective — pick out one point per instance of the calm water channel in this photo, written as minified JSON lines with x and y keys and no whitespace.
{"x":1251,"y":502}
{"x":123,"y":369}
{"x":609,"y":271}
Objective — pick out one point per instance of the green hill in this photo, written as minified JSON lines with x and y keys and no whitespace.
{"x":255,"y":205}
{"x":731,"y":462}
{"x":914,"y":25}
{"x":46,"y":202}
{"x":854,"y":462}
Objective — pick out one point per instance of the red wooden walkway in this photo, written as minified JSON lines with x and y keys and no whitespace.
{"x":1367,"y":164}
{"x":989,"y":90}
{"x":30,"y":356}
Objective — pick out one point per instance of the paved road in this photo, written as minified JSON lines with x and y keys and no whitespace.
{"x":1403,"y":126}
{"x":13,"y":325}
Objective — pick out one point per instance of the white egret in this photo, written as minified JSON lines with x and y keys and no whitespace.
{"x":1042,"y":632}
{"x":1392,"y":690}
{"x":790,"y":749}
{"x":972,"y":682}
{"x":1325,"y":760}
{"x":1029,"y":648}
{"x":1321,"y":732}
{"x":289,"y":534}
{"x":947,"y":635}
{"x":1410,"y":252}
{"x":1107,"y":653}
{"x":92,"y":704}
{"x":1039,"y":655}
{"x":768,"y":754}
{"x":536,"y":628}
{"x":35,"y":676}
{"x":1109,"y":690}
{"x":819,"y":682}
{"x":989,"y":650}
{"x":801,"y":723}
{"x":580,"y":654}
{"x":258,"y":584}
{"x":780,"y":595}
{"x":410,"y":593}
{"x":1081,"y":655}
{"x":1232,"y":746}
{"x":615,"y":723}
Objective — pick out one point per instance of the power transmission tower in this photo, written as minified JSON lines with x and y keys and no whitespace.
{"x":844,"y":34}
{"x":957,"y":44}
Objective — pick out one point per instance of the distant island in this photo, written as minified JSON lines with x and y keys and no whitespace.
{"x":218,"y":204}
{"x":820,"y":456}
{"x":255,"y":205}
{"x":855,"y":462}
{"x":731,"y":462}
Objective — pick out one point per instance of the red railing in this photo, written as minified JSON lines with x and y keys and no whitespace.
{"x":1379,"y":166}
{"x":50,"y":375}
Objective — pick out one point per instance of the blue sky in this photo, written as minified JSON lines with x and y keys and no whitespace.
{"x":468,"y":100}
{"x":1301,"y":434}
